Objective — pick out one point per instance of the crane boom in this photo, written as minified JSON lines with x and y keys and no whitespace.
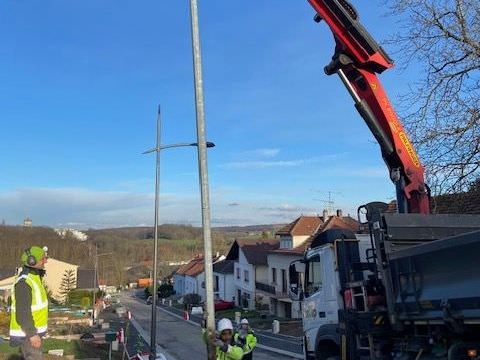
{"x":357,"y":60}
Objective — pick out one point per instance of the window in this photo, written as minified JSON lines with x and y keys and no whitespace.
{"x":274,"y":276}
{"x":313,"y":275}
{"x":215,"y":289}
{"x":284,"y":281}
{"x":238,"y":273}
{"x":286,"y":243}
{"x":245,"y":275}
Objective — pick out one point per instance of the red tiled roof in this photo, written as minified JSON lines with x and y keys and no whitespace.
{"x":304,"y":225}
{"x":193,"y":268}
{"x":333,"y":222}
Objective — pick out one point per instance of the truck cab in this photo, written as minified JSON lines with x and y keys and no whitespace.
{"x":316,"y":280}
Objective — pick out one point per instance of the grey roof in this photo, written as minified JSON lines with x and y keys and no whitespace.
{"x":255,"y":251}
{"x":224,"y":267}
{"x":85,"y":279}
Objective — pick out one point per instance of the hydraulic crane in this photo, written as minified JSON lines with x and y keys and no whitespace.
{"x":409,"y":288}
{"x":357,"y":61}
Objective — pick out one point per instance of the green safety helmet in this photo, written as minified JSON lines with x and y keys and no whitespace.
{"x":33,"y":255}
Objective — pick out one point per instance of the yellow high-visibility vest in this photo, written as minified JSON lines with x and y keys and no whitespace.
{"x":39,"y":306}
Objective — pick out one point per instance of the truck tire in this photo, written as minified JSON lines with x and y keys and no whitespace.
{"x":327,"y":350}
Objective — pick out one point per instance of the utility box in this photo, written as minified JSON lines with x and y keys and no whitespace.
{"x":110,"y":336}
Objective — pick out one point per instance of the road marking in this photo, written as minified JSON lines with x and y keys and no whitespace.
{"x":280,"y":340}
{"x":279,"y":351}
{"x":178,"y":317}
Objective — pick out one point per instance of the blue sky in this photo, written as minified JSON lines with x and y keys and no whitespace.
{"x":80,"y":82}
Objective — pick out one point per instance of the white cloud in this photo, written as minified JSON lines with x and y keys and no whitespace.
{"x":85,"y":208}
{"x":287,"y":208}
{"x":262,"y":153}
{"x":264,"y":164}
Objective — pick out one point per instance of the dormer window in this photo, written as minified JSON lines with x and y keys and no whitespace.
{"x":286,"y":242}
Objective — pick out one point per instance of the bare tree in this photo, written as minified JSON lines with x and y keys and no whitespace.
{"x":442,"y":110}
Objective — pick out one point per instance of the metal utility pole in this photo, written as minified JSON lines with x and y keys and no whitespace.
{"x":203,"y":172}
{"x":157,"y":149}
{"x":153,"y":325}
{"x":95,"y":283}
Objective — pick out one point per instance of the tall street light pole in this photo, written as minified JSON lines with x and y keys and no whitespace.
{"x":157,"y":149}
{"x":153,"y":328}
{"x":203,"y":172}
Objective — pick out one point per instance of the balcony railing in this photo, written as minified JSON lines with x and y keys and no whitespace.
{"x":269,"y":289}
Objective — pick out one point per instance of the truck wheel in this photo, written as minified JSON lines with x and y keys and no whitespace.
{"x":327,"y":350}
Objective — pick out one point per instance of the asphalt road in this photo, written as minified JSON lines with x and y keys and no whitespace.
{"x":278,"y":341}
{"x":180,"y":339}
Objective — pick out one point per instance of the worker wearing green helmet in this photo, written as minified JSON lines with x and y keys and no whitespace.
{"x":29,"y":311}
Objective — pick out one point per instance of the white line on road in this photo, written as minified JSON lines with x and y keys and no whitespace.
{"x":178,"y":317}
{"x":279,"y":339}
{"x":279,"y":351}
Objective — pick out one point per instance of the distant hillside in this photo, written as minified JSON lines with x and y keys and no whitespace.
{"x":165,"y":231}
{"x":15,"y":239}
{"x":249,"y":231}
{"x":173,"y":231}
{"x":122,"y":248}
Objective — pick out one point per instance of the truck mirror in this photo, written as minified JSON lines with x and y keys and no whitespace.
{"x":296,"y":290}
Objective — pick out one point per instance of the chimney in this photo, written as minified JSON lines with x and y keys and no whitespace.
{"x":325,"y":214}
{"x":339,"y":212}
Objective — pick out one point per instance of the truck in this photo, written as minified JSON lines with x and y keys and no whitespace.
{"x":406,"y":286}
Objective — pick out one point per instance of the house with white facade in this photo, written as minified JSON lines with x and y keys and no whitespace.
{"x":190,"y":278}
{"x":185,"y":278}
{"x":250,"y":267}
{"x":223,"y":286}
{"x":295,"y":238}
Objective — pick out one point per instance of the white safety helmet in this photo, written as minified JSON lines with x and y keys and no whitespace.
{"x":244,"y":322}
{"x":224,"y":324}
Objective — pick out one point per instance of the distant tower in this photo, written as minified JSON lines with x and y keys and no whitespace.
{"x":3,"y":222}
{"x":27,"y":222}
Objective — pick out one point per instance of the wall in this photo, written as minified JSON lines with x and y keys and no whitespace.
{"x":241,"y":284}
{"x":179,"y":284}
{"x":261,"y":274}
{"x":201,"y":286}
{"x":54,"y":271}
{"x":243,"y":265}
{"x":279,"y":262}
{"x":190,"y":285}
{"x":226,"y":287}
{"x":282,"y":262}
{"x":299,"y":240}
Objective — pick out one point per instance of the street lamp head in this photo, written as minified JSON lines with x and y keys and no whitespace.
{"x":210,"y":144}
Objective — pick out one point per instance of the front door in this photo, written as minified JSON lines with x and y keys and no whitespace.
{"x":288,"y":310}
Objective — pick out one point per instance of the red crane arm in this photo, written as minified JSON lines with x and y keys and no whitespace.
{"x":357,"y":60}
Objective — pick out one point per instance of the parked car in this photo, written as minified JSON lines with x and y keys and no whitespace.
{"x":223,"y":305}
